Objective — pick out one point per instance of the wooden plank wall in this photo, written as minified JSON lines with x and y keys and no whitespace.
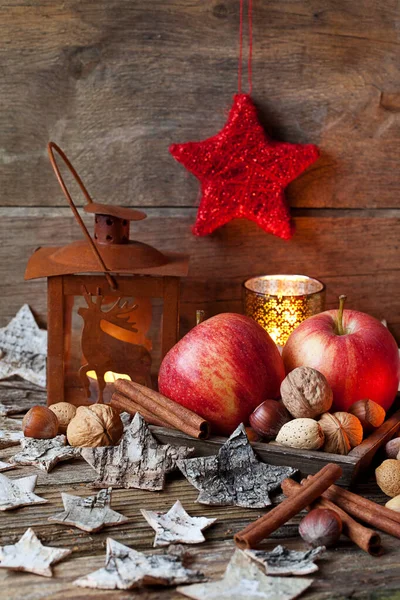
{"x":114,"y":82}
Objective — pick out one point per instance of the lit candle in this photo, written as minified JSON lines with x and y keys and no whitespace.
{"x":281,"y":302}
{"x":109,"y":378}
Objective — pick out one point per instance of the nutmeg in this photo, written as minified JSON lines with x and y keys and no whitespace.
{"x":301,"y":433}
{"x":64,"y":412}
{"x":40,"y":423}
{"x":388,"y":477}
{"x":392,"y":448}
{"x":306,"y":393}
{"x":370,"y":414}
{"x":342,"y":431}
{"x":96,"y":425}
{"x":321,"y":527}
{"x":268,"y":418}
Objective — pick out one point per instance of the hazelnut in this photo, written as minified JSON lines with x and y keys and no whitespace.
{"x":64,"y":412}
{"x":321,"y":527}
{"x":342,"y":432}
{"x":301,"y":433}
{"x":392,"y":448}
{"x":96,"y":425}
{"x":252,"y":436}
{"x":388,"y":477}
{"x":370,"y":414}
{"x":306,"y":393}
{"x":40,"y":423}
{"x":268,"y":418}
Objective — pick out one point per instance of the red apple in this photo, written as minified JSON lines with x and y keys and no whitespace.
{"x":356,"y":353}
{"x":222,"y":369}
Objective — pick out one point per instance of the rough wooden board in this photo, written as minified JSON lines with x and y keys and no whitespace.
{"x":30,"y":555}
{"x":89,"y":514}
{"x":5,"y":466}
{"x":242,"y":580}
{"x":139,"y":461}
{"x":18,"y":396}
{"x":176,"y":526}
{"x":282,"y":561}
{"x":127,"y":569}
{"x":15,"y":493}
{"x":23,"y":347}
{"x":235,"y":476}
{"x":44,"y":454}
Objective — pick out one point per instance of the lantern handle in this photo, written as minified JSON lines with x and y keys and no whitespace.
{"x":51,"y":147}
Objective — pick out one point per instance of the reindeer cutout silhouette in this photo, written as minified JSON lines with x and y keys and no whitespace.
{"x":104,"y":352}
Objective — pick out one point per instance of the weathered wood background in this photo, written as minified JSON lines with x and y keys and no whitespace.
{"x":115,"y":82}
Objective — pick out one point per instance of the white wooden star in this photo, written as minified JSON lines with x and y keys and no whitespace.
{"x":89,"y":514}
{"x":126,"y":569}
{"x":10,"y":432}
{"x":176,"y":526}
{"x":243,"y":580}
{"x":24,"y":348}
{"x":5,"y":466}
{"x":29,"y":554}
{"x":139,"y":461}
{"x":44,"y":454}
{"x":283,"y":561}
{"x":18,"y":492}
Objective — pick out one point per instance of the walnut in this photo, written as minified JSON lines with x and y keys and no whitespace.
{"x":96,"y":425}
{"x":306,"y":393}
{"x":301,"y":433}
{"x":342,"y":432}
{"x":64,"y":412}
{"x":388,"y":477}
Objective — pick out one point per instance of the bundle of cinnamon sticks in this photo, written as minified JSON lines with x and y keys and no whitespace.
{"x":157,"y":409}
{"x":319,"y":491}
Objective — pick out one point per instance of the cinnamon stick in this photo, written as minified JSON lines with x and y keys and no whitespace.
{"x":123,"y":404}
{"x":163,"y":408}
{"x":367,"y":511}
{"x":278,"y":516}
{"x":365,"y":538}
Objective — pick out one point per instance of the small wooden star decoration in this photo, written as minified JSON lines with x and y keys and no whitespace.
{"x":29,"y":554}
{"x":89,"y":514}
{"x":44,"y":454}
{"x":126,"y":569}
{"x":18,"y":492}
{"x":243,"y":173}
{"x":242,"y":580}
{"x":176,"y":526}
{"x":139,"y":461}
{"x":235,"y":476}
{"x":283,"y":561}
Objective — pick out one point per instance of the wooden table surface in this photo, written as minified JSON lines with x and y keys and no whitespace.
{"x":345,"y":571}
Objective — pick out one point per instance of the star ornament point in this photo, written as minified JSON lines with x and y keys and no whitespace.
{"x":243,"y":173}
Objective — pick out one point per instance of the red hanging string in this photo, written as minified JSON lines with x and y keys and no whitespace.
{"x":250,"y":50}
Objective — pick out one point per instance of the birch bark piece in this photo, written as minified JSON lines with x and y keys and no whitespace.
{"x":44,"y":454}
{"x":18,"y":492}
{"x":24,"y":348}
{"x":282,"y":561}
{"x":89,"y":514}
{"x":29,"y":554}
{"x":244,"y":581}
{"x":126,"y":569}
{"x":176,"y":526}
{"x":10,"y":432}
{"x":4,"y":466}
{"x":235,"y":477}
{"x":139,"y":461}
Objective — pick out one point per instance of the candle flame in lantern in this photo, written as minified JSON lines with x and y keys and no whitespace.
{"x":109,"y":376}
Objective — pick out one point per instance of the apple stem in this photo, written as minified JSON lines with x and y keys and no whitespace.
{"x":342,"y":300}
{"x":200,"y":316}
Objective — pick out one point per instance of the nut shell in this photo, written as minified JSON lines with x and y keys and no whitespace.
{"x":342,"y":431}
{"x":321,"y":527}
{"x":96,"y":425}
{"x":370,"y":414}
{"x":40,"y":423}
{"x":301,"y":433}
{"x":306,"y":393}
{"x":268,"y":418}
{"x":388,"y":477}
{"x":64,"y":412}
{"x":392,"y":448}
{"x":394,"y":504}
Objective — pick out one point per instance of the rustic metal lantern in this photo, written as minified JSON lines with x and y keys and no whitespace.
{"x":113,"y":303}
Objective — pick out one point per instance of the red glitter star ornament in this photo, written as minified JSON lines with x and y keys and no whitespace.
{"x":243,"y":173}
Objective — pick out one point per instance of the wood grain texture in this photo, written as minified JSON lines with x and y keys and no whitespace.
{"x":115,"y":82}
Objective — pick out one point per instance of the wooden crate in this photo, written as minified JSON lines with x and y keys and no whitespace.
{"x":307,"y":461}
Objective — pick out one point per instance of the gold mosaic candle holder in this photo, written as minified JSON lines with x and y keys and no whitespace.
{"x":281,"y":302}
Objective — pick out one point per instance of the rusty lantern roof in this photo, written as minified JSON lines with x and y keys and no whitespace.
{"x":110,"y":250}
